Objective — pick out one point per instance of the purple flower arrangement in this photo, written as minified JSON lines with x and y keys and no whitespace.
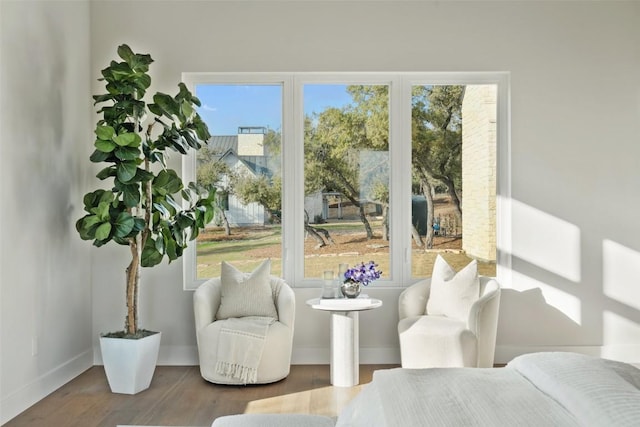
{"x":363,"y":273}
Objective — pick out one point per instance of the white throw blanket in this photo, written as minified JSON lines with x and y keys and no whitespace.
{"x":240,"y":347}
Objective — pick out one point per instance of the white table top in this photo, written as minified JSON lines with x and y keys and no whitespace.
{"x":344,"y":304}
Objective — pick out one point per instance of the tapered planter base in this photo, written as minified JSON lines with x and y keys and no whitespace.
{"x":130,"y":363}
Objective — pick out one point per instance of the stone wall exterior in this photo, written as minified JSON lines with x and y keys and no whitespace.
{"x":479,"y":110}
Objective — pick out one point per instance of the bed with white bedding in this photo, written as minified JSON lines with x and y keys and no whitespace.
{"x":540,"y":389}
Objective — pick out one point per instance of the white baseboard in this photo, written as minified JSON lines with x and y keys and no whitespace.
{"x":29,"y":394}
{"x":188,"y":355}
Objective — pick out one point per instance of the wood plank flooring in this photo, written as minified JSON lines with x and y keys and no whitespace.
{"x":178,"y":396}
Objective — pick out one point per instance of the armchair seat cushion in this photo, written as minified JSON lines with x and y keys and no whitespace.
{"x":436,"y":341}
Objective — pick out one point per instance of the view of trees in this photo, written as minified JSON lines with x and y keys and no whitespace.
{"x":346,"y":152}
{"x":335,"y":140}
{"x":437,"y":146}
{"x":346,"y":148}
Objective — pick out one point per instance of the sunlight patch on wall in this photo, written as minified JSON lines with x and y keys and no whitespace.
{"x":566,"y":303}
{"x":546,"y":241}
{"x":621,"y":273}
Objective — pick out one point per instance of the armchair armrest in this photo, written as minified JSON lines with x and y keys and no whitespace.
{"x":286,"y":304}
{"x":413,"y":300}
{"x":206,"y":301}
{"x":483,"y":322}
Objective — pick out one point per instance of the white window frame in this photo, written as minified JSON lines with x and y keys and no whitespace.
{"x":400,"y":84}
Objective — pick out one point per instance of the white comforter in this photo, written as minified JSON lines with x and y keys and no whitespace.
{"x":541,"y":389}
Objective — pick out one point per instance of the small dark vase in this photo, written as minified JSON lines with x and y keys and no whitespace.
{"x":350,"y":289}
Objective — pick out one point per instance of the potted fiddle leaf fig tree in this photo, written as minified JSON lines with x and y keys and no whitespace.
{"x":140,"y":207}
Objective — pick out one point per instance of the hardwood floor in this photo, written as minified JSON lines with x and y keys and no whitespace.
{"x":178,"y":396}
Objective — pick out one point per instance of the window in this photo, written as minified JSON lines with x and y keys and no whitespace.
{"x":453,"y":140}
{"x":326,"y":169}
{"x":346,"y":176}
{"x":242,"y":160}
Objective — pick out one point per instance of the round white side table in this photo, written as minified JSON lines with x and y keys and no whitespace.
{"x":345,"y":346}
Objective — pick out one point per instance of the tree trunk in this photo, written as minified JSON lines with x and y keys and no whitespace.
{"x":225,"y":222}
{"x":365,"y":221}
{"x":428,"y":195}
{"x":416,"y":236}
{"x":451,"y":190}
{"x":326,"y":234}
{"x":312,"y":231}
{"x":133,"y":280}
{"x":385,"y":222}
{"x":315,"y":233}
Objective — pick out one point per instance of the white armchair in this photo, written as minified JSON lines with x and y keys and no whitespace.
{"x":428,"y":341}
{"x":276,"y":356}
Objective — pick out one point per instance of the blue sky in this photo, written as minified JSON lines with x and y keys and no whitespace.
{"x":225,"y":107}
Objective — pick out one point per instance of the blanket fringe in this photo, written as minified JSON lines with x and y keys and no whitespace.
{"x":233,"y":370}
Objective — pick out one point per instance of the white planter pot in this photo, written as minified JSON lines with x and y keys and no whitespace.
{"x":129,"y":364}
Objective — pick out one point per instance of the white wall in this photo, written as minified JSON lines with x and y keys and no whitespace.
{"x":45,"y":140}
{"x":575,"y":110}
{"x":575,"y":123}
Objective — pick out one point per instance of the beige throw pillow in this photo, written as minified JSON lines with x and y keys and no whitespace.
{"x":452,"y":294}
{"x":246,"y":294}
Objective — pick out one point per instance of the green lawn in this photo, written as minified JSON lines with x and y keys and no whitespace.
{"x":246,"y":251}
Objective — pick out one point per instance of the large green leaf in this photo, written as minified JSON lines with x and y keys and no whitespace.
{"x":168,"y":105}
{"x":103,"y":230}
{"x":106,"y":172}
{"x":171,"y":203}
{"x":185,"y":220}
{"x":143,"y":176}
{"x":89,"y":221}
{"x":99,"y":156}
{"x":102,"y":210}
{"x":127,"y":153}
{"x":187,"y":109}
{"x":125,"y":52}
{"x":167,"y":182}
{"x":104,"y":145}
{"x":161,"y":209}
{"x":159,"y":242}
{"x":85,"y":233}
{"x":208,"y":215}
{"x":126,"y":171}
{"x":170,"y":247}
{"x":119,"y":71}
{"x":139,"y":225}
{"x":91,"y":200}
{"x":105,"y":132}
{"x":191,"y":137}
{"x":131,"y":195}
{"x":150,"y":255}
{"x":128,"y":139}
{"x":123,"y":225}
{"x":102,"y":98}
{"x":194,"y":233}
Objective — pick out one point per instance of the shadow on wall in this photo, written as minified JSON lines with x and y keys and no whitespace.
{"x":526,"y":319}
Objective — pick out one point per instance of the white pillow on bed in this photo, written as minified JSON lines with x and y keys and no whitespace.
{"x":596,"y":391}
{"x":452,"y":294}
{"x":246,"y":294}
